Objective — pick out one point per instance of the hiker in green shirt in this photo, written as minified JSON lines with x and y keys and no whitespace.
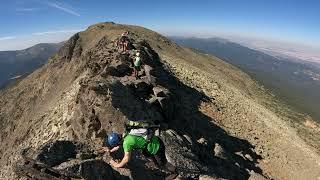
{"x":152,"y":148}
{"x":137,"y":65}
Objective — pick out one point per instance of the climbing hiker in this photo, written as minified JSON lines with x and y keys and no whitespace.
{"x":152,"y":148}
{"x":123,"y":41}
{"x":137,"y":65}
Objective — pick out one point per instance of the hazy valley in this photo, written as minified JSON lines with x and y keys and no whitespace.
{"x":295,"y":81}
{"x":16,"y":64}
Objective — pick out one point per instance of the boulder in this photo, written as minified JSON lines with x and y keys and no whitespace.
{"x":147,"y":70}
{"x":165,"y":100}
{"x":186,"y":162}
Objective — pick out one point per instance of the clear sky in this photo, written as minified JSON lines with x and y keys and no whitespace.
{"x":26,"y":22}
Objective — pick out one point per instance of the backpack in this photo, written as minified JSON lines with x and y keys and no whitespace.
{"x":142,"y":129}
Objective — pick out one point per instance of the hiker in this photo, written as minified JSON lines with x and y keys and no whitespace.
{"x":123,"y":41}
{"x":152,"y":148}
{"x":137,"y":65}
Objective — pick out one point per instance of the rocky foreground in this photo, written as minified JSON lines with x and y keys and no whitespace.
{"x":212,"y":122}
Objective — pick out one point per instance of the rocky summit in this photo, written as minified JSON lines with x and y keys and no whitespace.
{"x":213,"y":118}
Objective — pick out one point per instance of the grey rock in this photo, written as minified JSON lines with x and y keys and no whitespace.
{"x":165,"y":99}
{"x":147,"y":70}
{"x":202,"y":141}
{"x":188,"y":138}
{"x":171,"y":132}
{"x":247,"y":156}
{"x":219,"y":151}
{"x":185,"y":161}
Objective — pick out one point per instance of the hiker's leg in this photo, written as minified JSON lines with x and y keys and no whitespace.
{"x":162,"y":162}
{"x":121,"y":45}
{"x":136,"y":72}
{"x":118,"y":45}
{"x":160,"y":156}
{"x":126,"y":45}
{"x":170,"y":167}
{"x":147,"y":155}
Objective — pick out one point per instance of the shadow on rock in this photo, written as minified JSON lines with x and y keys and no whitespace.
{"x":142,"y":169}
{"x":99,"y":170}
{"x":197,"y":145}
{"x":54,"y":154}
{"x":65,"y":160}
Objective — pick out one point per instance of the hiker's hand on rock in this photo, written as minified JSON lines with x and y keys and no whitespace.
{"x":113,"y":162}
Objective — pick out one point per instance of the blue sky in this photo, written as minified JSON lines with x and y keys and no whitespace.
{"x":26,"y":22}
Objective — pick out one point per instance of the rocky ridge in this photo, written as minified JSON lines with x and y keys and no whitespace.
{"x":60,"y":114}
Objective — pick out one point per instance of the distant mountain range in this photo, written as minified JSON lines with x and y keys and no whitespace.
{"x":14,"y":64}
{"x":295,"y":81}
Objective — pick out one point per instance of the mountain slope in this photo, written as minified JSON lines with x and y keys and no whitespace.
{"x":295,"y":82}
{"x":213,"y":123}
{"x":22,"y":62}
